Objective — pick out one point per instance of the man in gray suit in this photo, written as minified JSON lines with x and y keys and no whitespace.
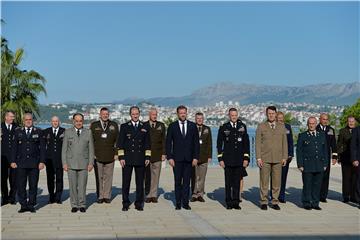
{"x":77,"y":159}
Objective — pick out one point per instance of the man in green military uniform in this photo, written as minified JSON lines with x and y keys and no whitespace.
{"x":105,"y":133}
{"x":312,"y":160}
{"x":199,"y":171}
{"x":152,"y":171}
{"x":349,"y":172}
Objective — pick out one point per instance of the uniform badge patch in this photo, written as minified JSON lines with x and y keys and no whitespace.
{"x":112,"y":128}
{"x":206,"y":131}
{"x":242,"y":129}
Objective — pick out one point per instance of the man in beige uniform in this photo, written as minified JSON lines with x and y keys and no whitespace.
{"x":271,"y":154}
{"x":152,"y":171}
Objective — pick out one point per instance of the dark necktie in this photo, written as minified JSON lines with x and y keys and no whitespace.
{"x":54,"y":132}
{"x":153,"y":125}
{"x":9,"y":127}
{"x":272,"y":126}
{"x":234,"y":125}
{"x":136,"y":126}
{"x":313,"y":134}
{"x":105,"y":125}
{"x":28,"y":132}
{"x":183,"y":129}
{"x":78,"y":132}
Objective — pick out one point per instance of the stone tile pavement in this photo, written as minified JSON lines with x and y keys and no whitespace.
{"x":209,"y":220}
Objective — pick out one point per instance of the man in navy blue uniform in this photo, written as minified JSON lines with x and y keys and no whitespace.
{"x":54,"y":136}
{"x":233,"y":154}
{"x":182,"y":150}
{"x":134,"y":152}
{"x":280,"y":117}
{"x":355,"y":158}
{"x":332,"y":150}
{"x":7,"y":173}
{"x":28,"y":157}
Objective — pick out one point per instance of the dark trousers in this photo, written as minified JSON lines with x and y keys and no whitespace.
{"x":182,"y":176}
{"x":349,"y":178}
{"x":55,"y":181}
{"x":357,"y":191}
{"x":147,"y":179}
{"x":25,"y":175}
{"x":325,"y":183}
{"x":232,"y":185}
{"x":311,"y":188}
{"x":7,"y":174}
{"x":96,"y":178}
{"x":139,"y":180}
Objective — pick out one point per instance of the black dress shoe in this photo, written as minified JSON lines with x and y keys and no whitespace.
{"x":59,"y":202}
{"x":32,"y":210}
{"x":154,"y":200}
{"x":22,"y":210}
{"x":316,"y":208}
{"x":148,"y":200}
{"x":82,"y":209}
{"x":125,"y":209}
{"x":187,"y":207}
{"x":74,"y":210}
{"x":139,"y":208}
{"x":178,"y":207}
{"x":307,"y":208}
{"x":237,"y":207}
{"x":275,"y":207}
{"x":282,"y":201}
{"x":263,"y":207}
{"x":201,"y":199}
{"x":107,"y":200}
{"x":346,"y":200}
{"x":228,"y":207}
{"x":193,"y":199}
{"x":100,"y":201}
{"x":323,"y":200}
{"x":4,"y":203}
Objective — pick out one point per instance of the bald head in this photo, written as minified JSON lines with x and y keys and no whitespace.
{"x":311,"y":123}
{"x":55,"y":122}
{"x":324,"y":119}
{"x":153,"y":114}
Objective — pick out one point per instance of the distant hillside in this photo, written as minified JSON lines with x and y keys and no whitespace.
{"x":328,"y":94}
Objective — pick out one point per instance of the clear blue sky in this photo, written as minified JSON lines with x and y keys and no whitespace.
{"x":97,"y":52}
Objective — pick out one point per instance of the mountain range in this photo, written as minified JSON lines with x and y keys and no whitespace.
{"x":322,"y":94}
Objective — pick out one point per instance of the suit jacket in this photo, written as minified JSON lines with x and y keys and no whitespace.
{"x":355,"y":144}
{"x":157,"y":139}
{"x":77,"y":151}
{"x":233,"y":144}
{"x":271,"y":144}
{"x":28,"y":151}
{"x":312,"y":151}
{"x":53,"y":146}
{"x":134,"y":144}
{"x":179,"y":148}
{"x":105,"y":141}
{"x":344,"y":146}
{"x":7,"y":140}
{"x":331,"y":141}
{"x":290,"y":140}
{"x":205,"y":140}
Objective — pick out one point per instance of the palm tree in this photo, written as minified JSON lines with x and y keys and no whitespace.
{"x":19,"y":88}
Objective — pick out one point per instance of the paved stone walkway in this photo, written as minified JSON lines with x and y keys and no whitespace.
{"x":209,"y":220}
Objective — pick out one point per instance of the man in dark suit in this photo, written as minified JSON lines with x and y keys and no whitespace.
{"x":54,"y":171}
{"x":134,"y":152}
{"x":182,"y":150}
{"x":233,"y":154}
{"x":332,"y":150}
{"x":312,"y":160}
{"x":355,"y":158}
{"x":7,"y":173}
{"x":28,"y":157}
{"x":349,"y":172}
